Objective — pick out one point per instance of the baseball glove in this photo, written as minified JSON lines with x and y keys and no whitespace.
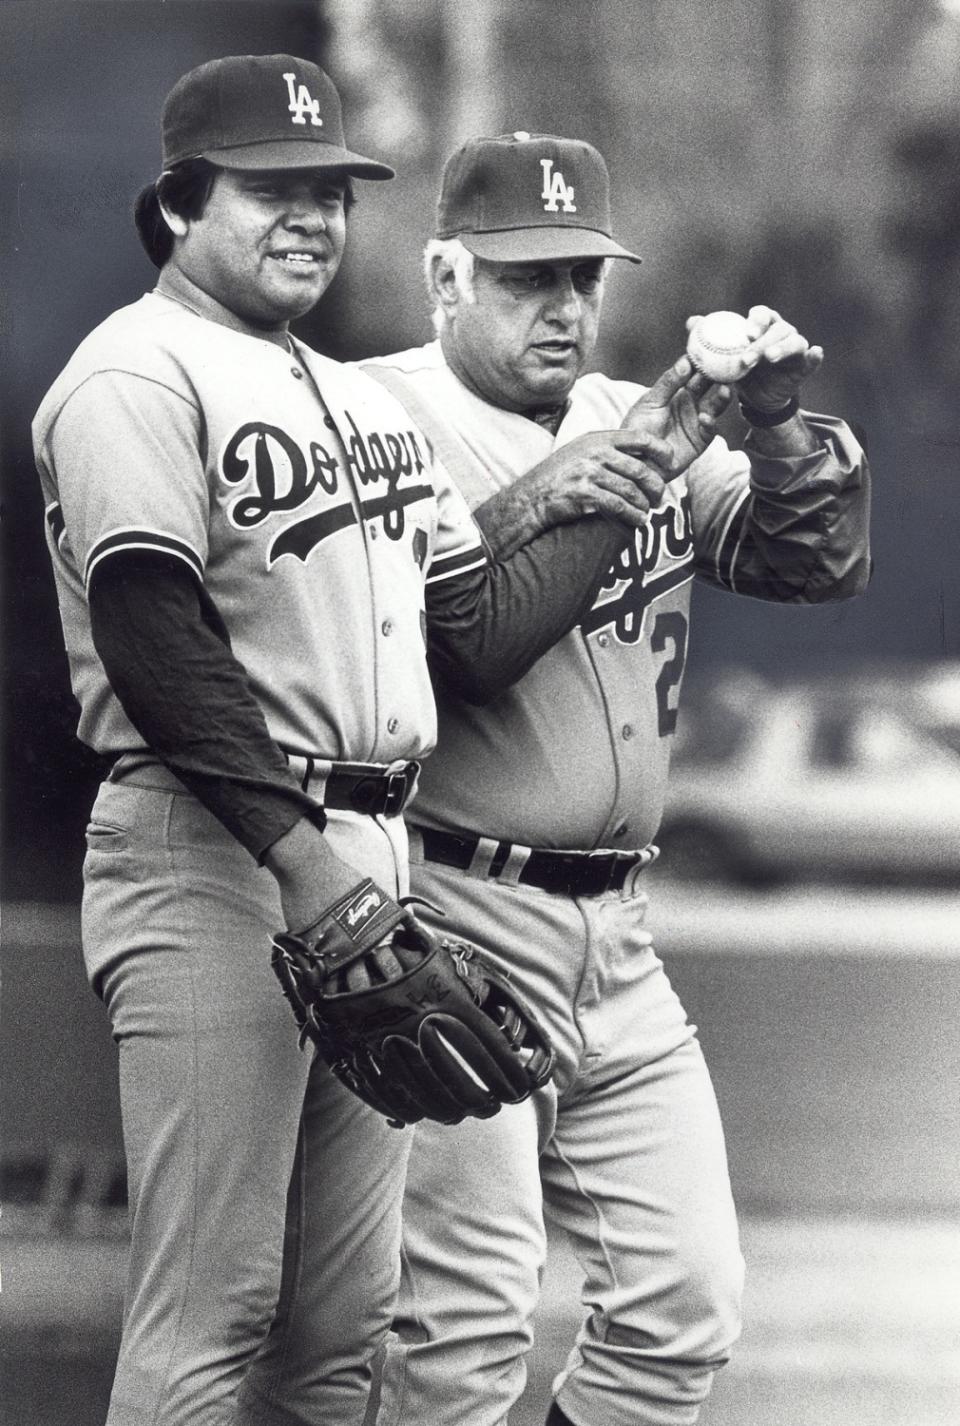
{"x":416,"y":1026}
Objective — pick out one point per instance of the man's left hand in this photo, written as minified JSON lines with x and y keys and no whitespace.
{"x":681,"y":408}
{"x":785,"y":360}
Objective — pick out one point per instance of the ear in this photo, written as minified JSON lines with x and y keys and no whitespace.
{"x":444,"y":286}
{"x":177,"y":224}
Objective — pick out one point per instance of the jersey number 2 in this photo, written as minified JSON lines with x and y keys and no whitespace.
{"x":669,"y":629}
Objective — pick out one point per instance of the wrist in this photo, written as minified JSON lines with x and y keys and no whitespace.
{"x":789,"y":439}
{"x":765,"y":419}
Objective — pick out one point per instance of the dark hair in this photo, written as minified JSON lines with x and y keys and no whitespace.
{"x":185,"y":189}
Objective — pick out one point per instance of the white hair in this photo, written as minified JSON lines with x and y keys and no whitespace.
{"x":451,"y":251}
{"x":463,"y":264}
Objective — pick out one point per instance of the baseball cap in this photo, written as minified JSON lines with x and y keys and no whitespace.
{"x":260,"y":111}
{"x":525,"y":197}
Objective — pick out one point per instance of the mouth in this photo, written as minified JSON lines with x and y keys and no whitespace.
{"x":558,"y":348}
{"x":298,"y":260}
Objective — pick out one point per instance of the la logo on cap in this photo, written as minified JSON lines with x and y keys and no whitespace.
{"x":555,"y":190}
{"x":301,"y":104}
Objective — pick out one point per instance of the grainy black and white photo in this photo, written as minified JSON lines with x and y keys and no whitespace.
{"x":480,"y":836}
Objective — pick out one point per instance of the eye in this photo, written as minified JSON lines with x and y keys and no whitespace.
{"x":528,"y":281}
{"x":588,"y":280}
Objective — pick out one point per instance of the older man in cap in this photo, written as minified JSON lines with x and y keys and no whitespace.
{"x":534,"y":821}
{"x":253,"y":550}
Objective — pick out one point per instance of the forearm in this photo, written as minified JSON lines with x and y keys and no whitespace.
{"x":513,"y":517}
{"x":189,"y":699}
{"x":801,"y":534}
{"x":486,"y":629}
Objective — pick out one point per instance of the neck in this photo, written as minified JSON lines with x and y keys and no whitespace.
{"x":548,"y":416}
{"x":175,"y":283}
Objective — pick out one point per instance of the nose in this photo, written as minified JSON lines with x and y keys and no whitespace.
{"x":565,"y":303}
{"x":305,"y":214}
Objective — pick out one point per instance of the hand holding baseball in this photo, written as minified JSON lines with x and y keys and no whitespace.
{"x":762,"y":354}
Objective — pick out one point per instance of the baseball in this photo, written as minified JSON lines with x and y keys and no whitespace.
{"x":716,"y":345}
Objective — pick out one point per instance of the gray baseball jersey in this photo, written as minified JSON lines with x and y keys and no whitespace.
{"x":591,"y":724}
{"x":262,"y":469}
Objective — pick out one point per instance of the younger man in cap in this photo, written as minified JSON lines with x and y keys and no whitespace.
{"x":252,"y":549}
{"x":534,"y":821}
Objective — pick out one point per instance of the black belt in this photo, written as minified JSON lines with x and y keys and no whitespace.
{"x":566,"y":873}
{"x":363,"y":787}
{"x":353,"y":787}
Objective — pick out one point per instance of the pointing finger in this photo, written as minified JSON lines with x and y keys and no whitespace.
{"x":669,"y":382}
{"x":661,"y":393}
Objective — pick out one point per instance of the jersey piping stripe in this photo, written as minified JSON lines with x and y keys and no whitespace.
{"x":55,"y":521}
{"x":120,"y":541}
{"x":730,"y":543}
{"x":460,"y":562}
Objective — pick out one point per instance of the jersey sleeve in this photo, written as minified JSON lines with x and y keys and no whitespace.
{"x":459,"y":546}
{"x":127,"y":451}
{"x":791,"y":529}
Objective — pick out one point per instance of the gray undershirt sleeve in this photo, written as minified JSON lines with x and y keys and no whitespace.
{"x":487,"y":628}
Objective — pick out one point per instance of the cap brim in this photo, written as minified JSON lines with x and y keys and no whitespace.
{"x":293,"y":153}
{"x":543,"y":244}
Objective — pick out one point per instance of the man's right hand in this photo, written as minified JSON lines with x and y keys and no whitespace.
{"x":621,"y":474}
{"x":309,"y":874}
{"x":616,"y":474}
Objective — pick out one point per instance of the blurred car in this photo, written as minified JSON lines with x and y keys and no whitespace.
{"x":832,"y":781}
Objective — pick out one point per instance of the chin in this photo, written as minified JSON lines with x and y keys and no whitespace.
{"x":553,"y":390}
{"x":289,"y":304}
{"x":283,"y":312}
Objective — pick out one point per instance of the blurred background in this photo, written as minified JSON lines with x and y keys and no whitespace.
{"x":790,"y":152}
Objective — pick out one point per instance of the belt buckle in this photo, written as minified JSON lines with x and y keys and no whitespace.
{"x":604,"y":868}
{"x":397,"y":788}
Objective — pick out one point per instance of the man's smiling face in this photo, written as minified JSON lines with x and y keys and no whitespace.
{"x":530,"y":330}
{"x":268,"y":242}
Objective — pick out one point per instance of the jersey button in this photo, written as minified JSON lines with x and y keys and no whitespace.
{"x":628,"y":730}
{"x":373,"y":532}
{"x":386,"y":628}
{"x":329,"y":422}
{"x":393,"y":724}
{"x":295,"y":371}
{"x":620,"y":830}
{"x":603,"y":640}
